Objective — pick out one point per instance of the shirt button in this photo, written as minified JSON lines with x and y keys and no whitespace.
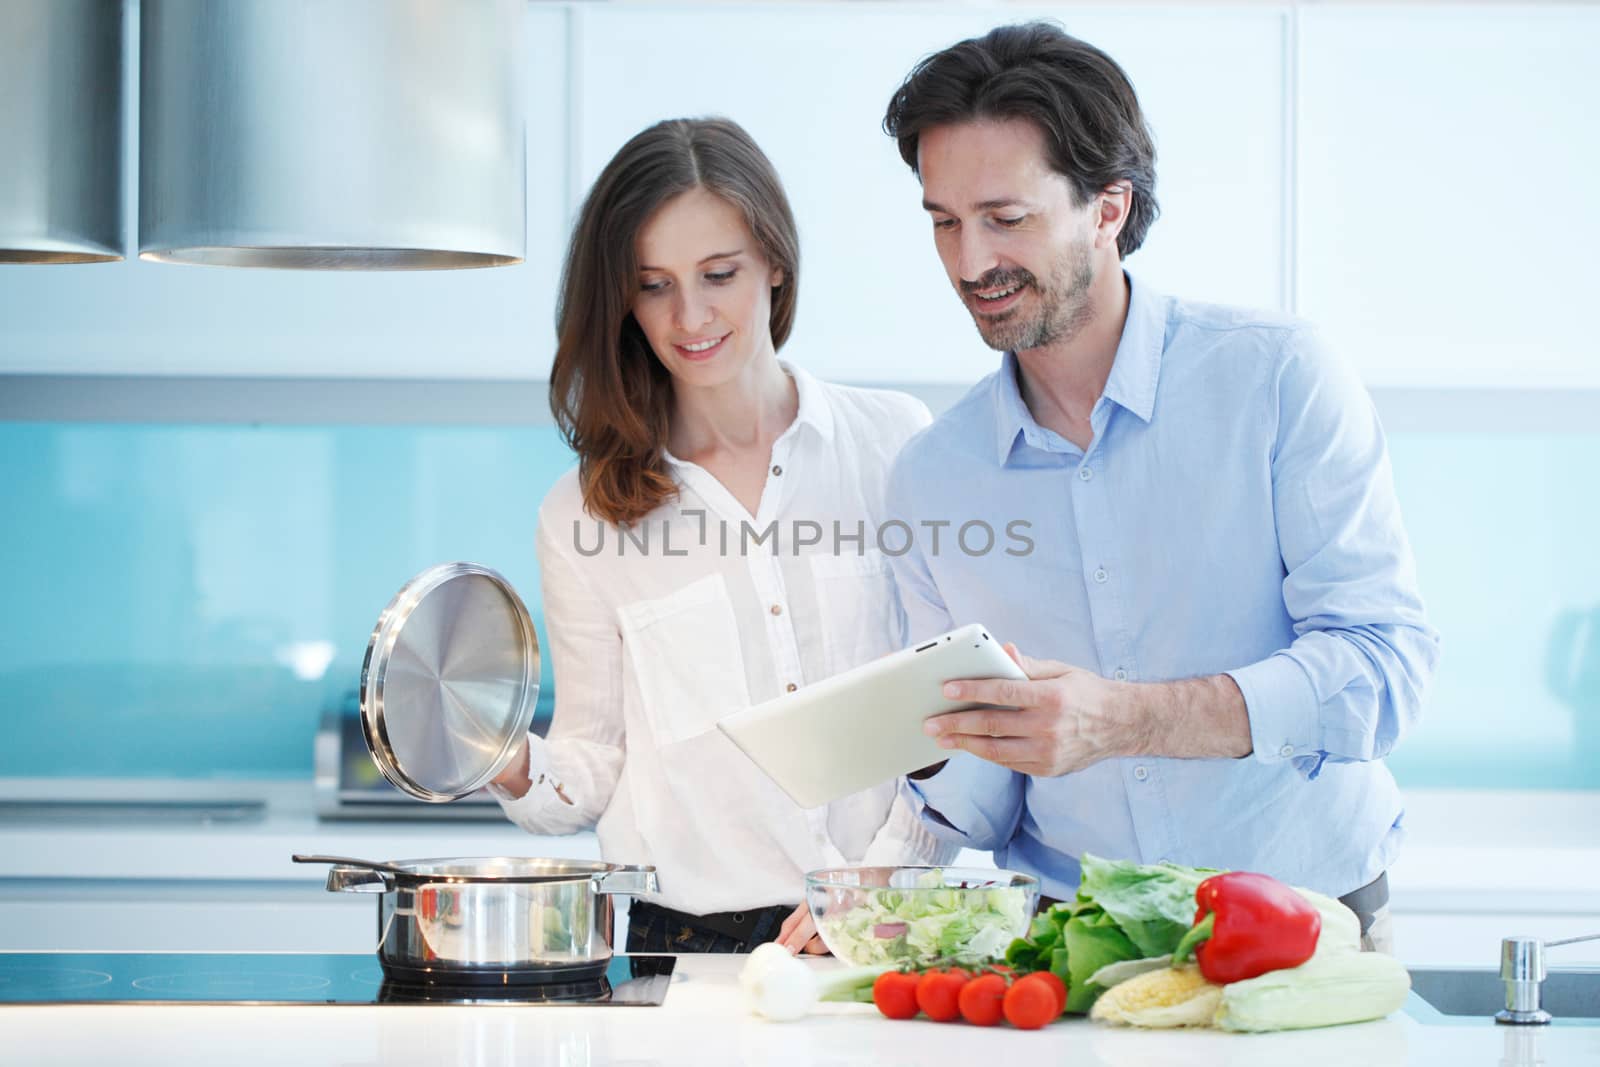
{"x":791,"y":687}
{"x":777,"y":471}
{"x":1085,"y":473}
{"x":1120,"y":675}
{"x":1100,"y":574}
{"x":1140,"y":773}
{"x":777,"y":609}
{"x":1286,"y":751}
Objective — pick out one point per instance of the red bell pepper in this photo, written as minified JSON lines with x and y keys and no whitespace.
{"x":1249,"y":924}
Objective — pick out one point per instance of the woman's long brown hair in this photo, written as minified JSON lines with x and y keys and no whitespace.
{"x":609,"y":393}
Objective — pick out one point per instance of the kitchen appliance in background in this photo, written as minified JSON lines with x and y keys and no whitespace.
{"x":347,"y":783}
{"x":293,"y":978}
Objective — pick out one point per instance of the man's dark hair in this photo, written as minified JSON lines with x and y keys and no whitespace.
{"x":1094,"y":131}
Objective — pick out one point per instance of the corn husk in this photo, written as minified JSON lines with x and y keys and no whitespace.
{"x":1323,"y":991}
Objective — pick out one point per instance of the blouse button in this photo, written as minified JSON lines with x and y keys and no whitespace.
{"x":776,"y":470}
{"x":777,"y":609}
{"x":791,"y":687}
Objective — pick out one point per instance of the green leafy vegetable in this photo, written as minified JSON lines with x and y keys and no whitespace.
{"x":1154,"y":905}
{"x":1123,"y":911}
{"x":1091,"y":940}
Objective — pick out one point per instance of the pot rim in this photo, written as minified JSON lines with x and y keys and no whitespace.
{"x":442,"y":870}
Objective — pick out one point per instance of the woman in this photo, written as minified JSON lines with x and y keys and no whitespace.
{"x":681,"y":577}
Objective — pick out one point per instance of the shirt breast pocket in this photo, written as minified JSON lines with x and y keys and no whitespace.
{"x":685,"y":653}
{"x":861,"y":617}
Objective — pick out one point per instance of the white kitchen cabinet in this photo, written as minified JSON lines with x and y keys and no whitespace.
{"x":811,"y":84}
{"x":144,"y":318}
{"x":1446,"y":216}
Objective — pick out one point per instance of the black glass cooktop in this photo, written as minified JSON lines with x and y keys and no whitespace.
{"x":292,"y":978}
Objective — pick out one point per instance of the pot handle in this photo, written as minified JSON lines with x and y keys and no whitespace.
{"x":358,"y":880}
{"x":631,"y":881}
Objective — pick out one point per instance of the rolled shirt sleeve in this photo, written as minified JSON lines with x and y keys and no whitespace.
{"x":582,"y":755}
{"x":1352,"y":682}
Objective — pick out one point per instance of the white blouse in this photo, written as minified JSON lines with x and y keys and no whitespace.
{"x":701,"y":609}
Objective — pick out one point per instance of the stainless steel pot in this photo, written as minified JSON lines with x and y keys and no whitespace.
{"x":494,"y":920}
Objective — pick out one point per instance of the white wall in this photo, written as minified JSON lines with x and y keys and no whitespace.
{"x":1447,"y":213}
{"x":1412,"y":177}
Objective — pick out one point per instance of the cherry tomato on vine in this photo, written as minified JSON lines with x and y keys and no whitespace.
{"x":1030,"y":1004}
{"x":980,"y":1000}
{"x":937,"y":993}
{"x":895,"y":994}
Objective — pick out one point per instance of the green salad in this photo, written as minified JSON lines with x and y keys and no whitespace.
{"x":927,"y":922}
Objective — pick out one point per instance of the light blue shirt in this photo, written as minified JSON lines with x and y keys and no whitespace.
{"x":1235,"y":512}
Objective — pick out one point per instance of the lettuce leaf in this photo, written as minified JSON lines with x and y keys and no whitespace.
{"x":1153,"y":905}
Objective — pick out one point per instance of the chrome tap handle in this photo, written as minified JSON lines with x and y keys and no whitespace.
{"x":1572,"y":940}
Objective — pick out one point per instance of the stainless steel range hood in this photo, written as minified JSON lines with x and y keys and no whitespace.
{"x":60,"y":131}
{"x":332,"y":134}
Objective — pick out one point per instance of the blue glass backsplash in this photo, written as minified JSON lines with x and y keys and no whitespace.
{"x":186,"y":600}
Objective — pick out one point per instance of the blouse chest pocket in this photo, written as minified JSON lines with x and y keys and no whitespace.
{"x":861,"y":617}
{"x":685,"y":653}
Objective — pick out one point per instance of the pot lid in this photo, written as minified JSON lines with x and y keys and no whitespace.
{"x":450,"y":681}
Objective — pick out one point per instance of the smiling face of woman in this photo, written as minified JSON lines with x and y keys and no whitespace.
{"x":704,"y":299}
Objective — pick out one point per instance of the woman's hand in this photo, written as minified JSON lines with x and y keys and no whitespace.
{"x":514,"y":779}
{"x":799,"y":933}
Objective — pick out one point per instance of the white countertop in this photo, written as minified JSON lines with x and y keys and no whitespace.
{"x":704,"y":1022}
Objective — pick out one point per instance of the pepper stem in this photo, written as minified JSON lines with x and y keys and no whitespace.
{"x":1201,"y":931}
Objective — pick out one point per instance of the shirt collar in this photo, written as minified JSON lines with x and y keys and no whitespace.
{"x":812,"y":410}
{"x":1137,"y":366}
{"x":1132,"y":383}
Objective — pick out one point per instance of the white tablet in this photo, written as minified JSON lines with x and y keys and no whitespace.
{"x":864,"y":726}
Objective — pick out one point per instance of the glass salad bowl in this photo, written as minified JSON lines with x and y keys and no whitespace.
{"x":871,"y":915}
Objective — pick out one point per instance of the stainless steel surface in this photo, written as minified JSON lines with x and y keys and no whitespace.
{"x":1522,"y":969}
{"x":450,"y":681}
{"x":1572,"y":995}
{"x":61,"y":131}
{"x":361,"y":135}
{"x":454,"y":917}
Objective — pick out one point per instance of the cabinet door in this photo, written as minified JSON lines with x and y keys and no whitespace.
{"x":135,"y":317}
{"x":811,"y":84}
{"x":1446,"y":215}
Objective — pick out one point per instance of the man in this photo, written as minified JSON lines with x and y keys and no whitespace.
{"x":1215,"y":563}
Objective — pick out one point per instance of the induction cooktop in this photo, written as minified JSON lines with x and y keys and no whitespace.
{"x":293,"y":978}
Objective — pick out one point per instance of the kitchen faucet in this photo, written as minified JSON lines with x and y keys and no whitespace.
{"x":1522,"y":969}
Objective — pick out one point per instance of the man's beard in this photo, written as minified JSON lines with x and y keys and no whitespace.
{"x":1062,"y":308}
